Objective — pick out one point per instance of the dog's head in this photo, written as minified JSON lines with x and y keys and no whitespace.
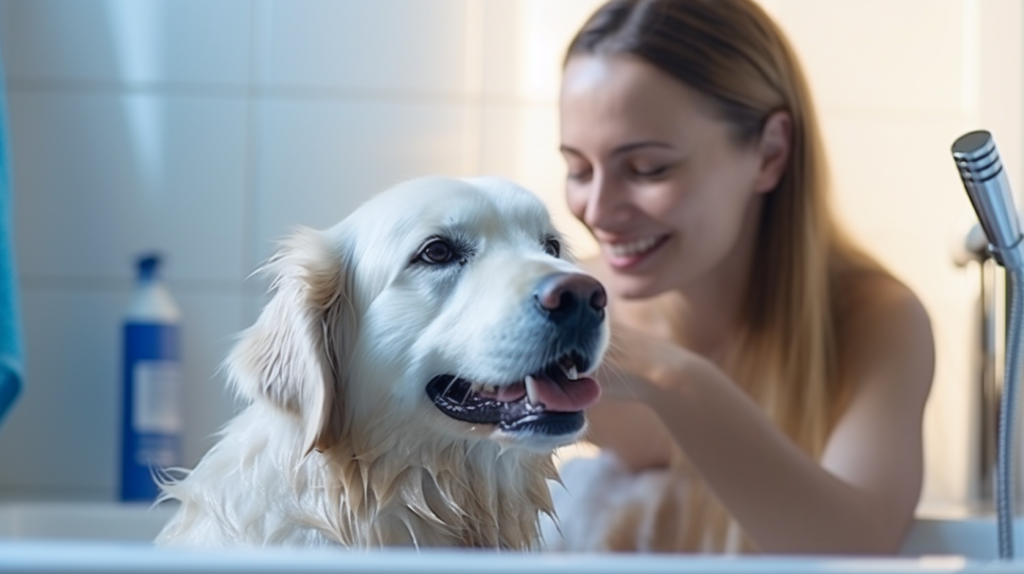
{"x":441,"y":309}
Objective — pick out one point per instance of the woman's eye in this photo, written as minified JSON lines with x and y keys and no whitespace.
{"x":437,"y":251}
{"x":581,"y":175}
{"x":553,"y":247}
{"x":650,"y":172}
{"x":576,"y":168}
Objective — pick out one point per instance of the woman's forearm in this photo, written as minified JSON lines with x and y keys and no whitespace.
{"x":632,"y":431}
{"x":784,"y":499}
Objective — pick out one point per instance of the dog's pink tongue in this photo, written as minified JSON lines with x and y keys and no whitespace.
{"x":568,"y":397}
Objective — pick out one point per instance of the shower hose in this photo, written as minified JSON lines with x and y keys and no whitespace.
{"x":1005,"y":456}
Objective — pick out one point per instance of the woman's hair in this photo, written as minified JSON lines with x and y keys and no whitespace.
{"x":732,"y":53}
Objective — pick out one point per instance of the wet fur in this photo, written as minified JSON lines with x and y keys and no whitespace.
{"x":337,"y":444}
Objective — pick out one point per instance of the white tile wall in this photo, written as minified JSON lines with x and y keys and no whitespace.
{"x":214,"y":318}
{"x":64,"y":434}
{"x":7,"y":29}
{"x":880,"y":188}
{"x":897,"y":56}
{"x":540,"y":31}
{"x":208,"y":129}
{"x":319,"y":159}
{"x":397,"y":46}
{"x":131,"y":41}
{"x":102,"y":176}
{"x":520,"y":142}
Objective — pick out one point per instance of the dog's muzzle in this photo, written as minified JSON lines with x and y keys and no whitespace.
{"x":573,"y":300}
{"x":550,"y":396}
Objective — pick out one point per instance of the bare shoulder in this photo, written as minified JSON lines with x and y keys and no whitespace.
{"x":886,"y":363}
{"x":882,"y":328}
{"x":871,"y":301}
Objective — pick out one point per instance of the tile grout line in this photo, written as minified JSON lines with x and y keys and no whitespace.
{"x":310,"y":93}
{"x":115,"y":284}
{"x":250,"y":207}
{"x":476,"y":61}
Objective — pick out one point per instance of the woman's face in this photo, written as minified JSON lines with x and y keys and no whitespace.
{"x":656,"y":178}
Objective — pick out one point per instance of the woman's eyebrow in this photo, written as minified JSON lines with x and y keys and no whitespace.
{"x":633,"y":146}
{"x":625,"y":148}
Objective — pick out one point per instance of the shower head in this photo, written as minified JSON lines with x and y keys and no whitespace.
{"x":989,"y":191}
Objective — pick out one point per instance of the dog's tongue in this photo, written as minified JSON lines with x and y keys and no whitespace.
{"x":568,"y":397}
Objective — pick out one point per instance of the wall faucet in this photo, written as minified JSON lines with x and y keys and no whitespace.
{"x":987,"y":334}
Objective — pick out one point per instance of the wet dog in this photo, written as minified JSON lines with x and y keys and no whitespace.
{"x":407,"y":382}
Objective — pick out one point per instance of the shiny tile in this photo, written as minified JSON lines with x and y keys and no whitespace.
{"x":101,"y":178}
{"x":131,"y":41}
{"x":64,"y":432}
{"x":318,"y":160}
{"x":369,"y":45}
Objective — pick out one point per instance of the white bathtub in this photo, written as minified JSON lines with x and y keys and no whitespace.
{"x":82,"y":521}
{"x":69,"y":537}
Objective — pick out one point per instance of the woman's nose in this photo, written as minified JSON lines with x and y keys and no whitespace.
{"x":607,"y":203}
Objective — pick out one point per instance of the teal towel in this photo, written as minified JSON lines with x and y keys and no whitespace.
{"x":11,"y":362}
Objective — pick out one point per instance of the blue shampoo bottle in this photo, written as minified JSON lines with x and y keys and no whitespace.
{"x":152,"y":373}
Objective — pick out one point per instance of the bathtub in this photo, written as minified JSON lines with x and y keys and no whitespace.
{"x":108,"y":537}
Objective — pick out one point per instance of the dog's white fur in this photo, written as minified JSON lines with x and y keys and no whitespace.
{"x":338,"y":443}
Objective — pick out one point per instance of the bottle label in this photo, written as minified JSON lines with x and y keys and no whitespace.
{"x":157,"y":394}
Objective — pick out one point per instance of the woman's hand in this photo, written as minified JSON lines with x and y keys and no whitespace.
{"x":637,"y":364}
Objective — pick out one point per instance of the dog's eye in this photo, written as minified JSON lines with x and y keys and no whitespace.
{"x":437,"y":251}
{"x":553,"y":247}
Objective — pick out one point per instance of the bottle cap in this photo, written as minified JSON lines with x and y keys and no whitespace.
{"x":148,"y":265}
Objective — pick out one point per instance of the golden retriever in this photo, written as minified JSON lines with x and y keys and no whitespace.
{"x":407,"y":382}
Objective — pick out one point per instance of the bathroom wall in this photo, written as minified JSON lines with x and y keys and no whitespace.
{"x":896,"y":84}
{"x":208,"y":129}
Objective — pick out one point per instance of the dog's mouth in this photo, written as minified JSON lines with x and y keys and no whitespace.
{"x":550,"y":401}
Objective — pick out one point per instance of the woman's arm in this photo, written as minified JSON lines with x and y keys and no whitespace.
{"x":861,"y":497}
{"x":632,"y":431}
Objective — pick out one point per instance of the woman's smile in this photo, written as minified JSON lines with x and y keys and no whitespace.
{"x":627,"y":254}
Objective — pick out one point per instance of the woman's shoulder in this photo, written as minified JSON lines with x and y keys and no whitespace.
{"x":878,"y":318}
{"x":863,"y":291}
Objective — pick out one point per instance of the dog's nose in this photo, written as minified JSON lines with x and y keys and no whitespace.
{"x":564,"y":295}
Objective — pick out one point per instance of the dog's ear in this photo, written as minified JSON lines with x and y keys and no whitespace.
{"x":291,"y":355}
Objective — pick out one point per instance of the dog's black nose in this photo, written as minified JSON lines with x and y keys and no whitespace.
{"x":564,"y":296}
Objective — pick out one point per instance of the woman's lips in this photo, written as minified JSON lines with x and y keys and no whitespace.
{"x":626,"y":254}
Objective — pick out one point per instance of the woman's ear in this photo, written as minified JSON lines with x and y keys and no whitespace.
{"x":292,"y":356}
{"x":774,"y":148}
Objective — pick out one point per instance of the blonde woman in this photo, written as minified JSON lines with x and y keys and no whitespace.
{"x":767,"y":379}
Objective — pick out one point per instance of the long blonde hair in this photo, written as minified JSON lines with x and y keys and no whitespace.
{"x":736,"y":56}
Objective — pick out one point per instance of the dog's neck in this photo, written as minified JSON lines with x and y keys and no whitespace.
{"x":463,"y":493}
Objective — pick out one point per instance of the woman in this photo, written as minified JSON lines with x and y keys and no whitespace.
{"x":771,"y":370}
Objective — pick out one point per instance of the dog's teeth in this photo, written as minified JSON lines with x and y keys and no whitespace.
{"x":485,"y":390}
{"x":570,"y":372}
{"x":531,"y":390}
